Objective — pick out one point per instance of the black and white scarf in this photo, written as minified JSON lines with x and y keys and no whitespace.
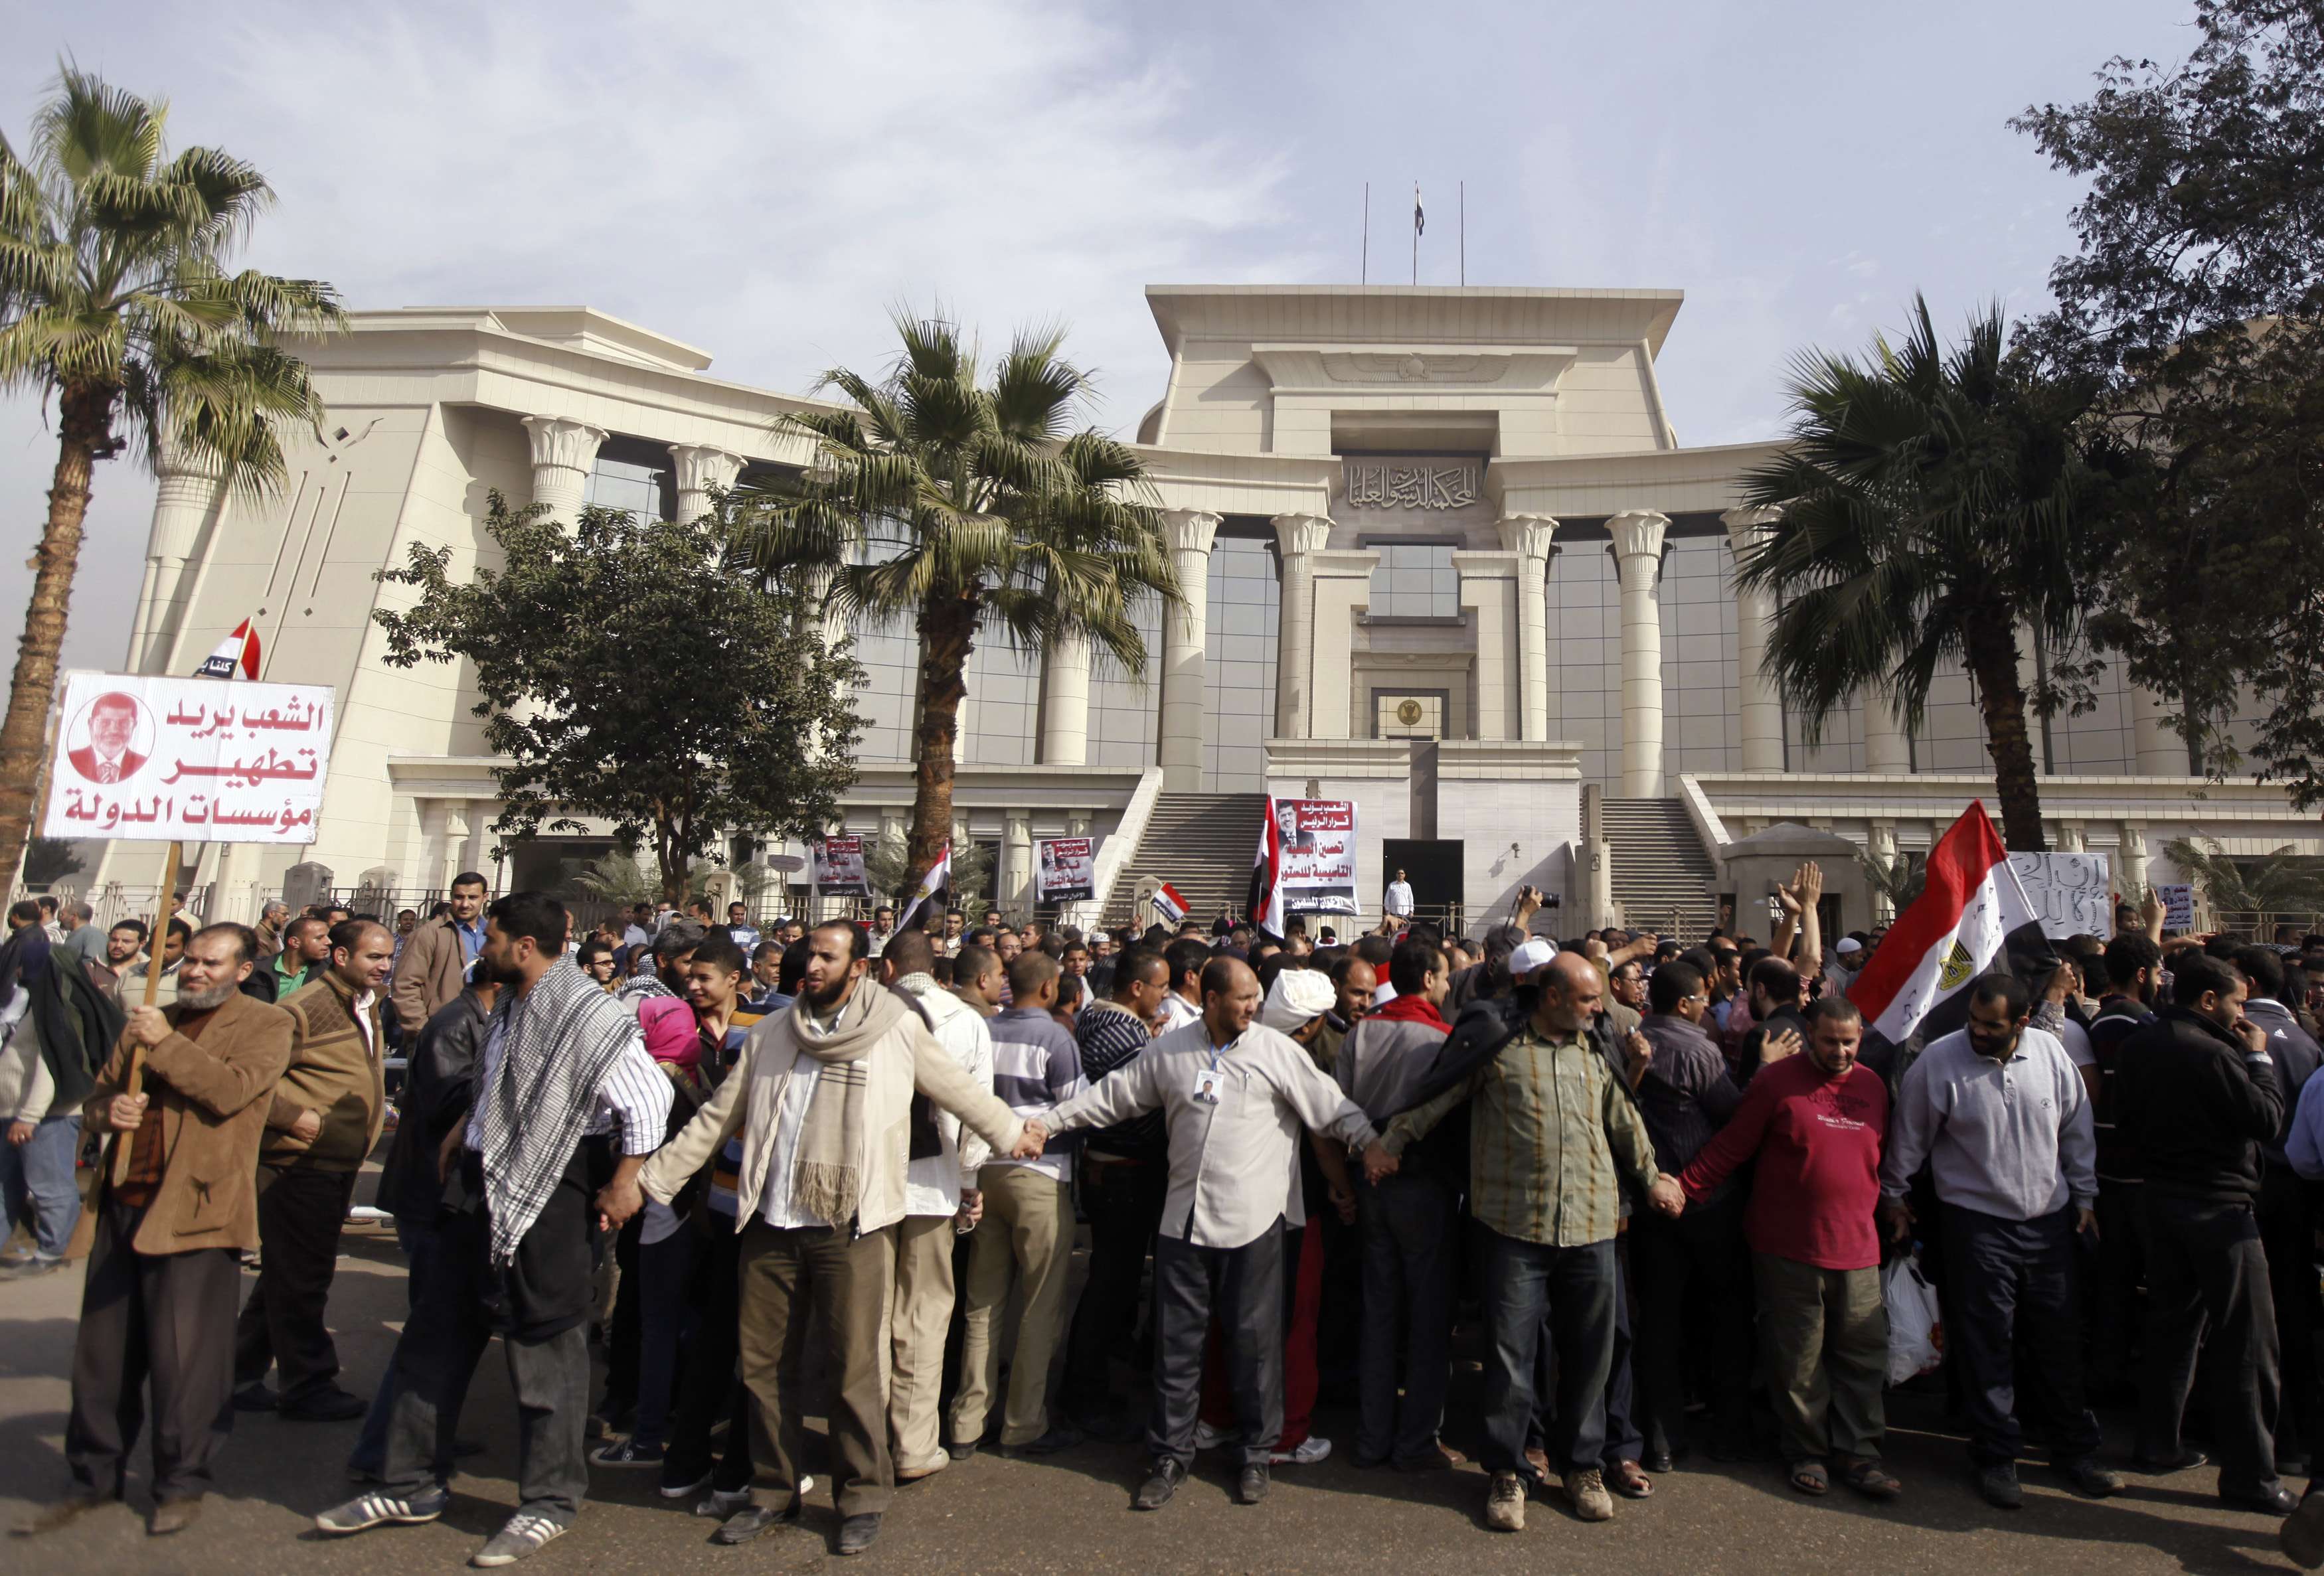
{"x":559,"y":1040}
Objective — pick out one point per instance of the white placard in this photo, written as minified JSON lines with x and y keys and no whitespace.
{"x":1318,"y":840}
{"x":1065,"y":870}
{"x":839,"y":868}
{"x":2178,"y":905}
{"x":189,"y":760}
{"x":2070,"y":892}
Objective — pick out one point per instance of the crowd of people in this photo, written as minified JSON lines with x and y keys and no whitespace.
{"x":1661,"y":1192}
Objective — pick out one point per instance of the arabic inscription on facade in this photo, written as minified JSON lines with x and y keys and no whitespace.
{"x":1411,"y":487}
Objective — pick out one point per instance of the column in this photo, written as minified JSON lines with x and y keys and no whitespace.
{"x":1880,"y":843}
{"x":1749,"y":530}
{"x":2155,"y":750}
{"x":700,"y":468}
{"x":562,"y":455}
{"x":436,"y":832}
{"x":187,"y":489}
{"x":1185,"y":629}
{"x":1529,"y":536}
{"x":1886,"y":750}
{"x":1064,"y":702}
{"x":1488,"y":592}
{"x":1016,"y":884}
{"x":2130,"y":860}
{"x":1637,"y":556}
{"x":478,"y":852}
{"x":1298,"y":537}
{"x":1343,"y":584}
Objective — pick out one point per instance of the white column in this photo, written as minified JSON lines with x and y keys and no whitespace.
{"x":1016,"y":886}
{"x":1529,"y":536}
{"x":1886,"y":751}
{"x":1637,"y":556}
{"x":1185,"y":628}
{"x":562,"y":455}
{"x":187,"y":489}
{"x":1488,"y":592}
{"x":1761,"y":711}
{"x":1065,"y":704}
{"x":700,"y":468}
{"x":2156,"y":750}
{"x":1880,"y":842}
{"x":478,"y":854}
{"x":2130,"y":857}
{"x":435,"y":841}
{"x":1298,"y":537}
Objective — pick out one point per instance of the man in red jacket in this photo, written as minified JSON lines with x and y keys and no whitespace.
{"x":1815,"y":1119}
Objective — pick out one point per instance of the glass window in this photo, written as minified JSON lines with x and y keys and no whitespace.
{"x":1415,"y":580}
{"x":649,"y":492}
{"x":1238,"y":686}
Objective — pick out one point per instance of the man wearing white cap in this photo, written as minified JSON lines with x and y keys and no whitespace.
{"x":1234,"y":1094}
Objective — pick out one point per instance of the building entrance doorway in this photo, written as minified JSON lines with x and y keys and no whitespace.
{"x":1434,"y":867}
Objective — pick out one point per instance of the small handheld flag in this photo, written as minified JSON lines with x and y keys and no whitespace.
{"x":938,"y":878}
{"x":1169,"y":909}
{"x":237,"y":651}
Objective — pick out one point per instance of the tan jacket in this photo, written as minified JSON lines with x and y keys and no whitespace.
{"x":906,"y":1059}
{"x":211,"y":1097}
{"x":430,"y":973}
{"x":335,"y":1072}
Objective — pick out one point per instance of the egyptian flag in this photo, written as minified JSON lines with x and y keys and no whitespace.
{"x":1169,"y":909}
{"x":237,"y":651}
{"x":1972,"y":917}
{"x":938,"y":880}
{"x":1264,"y":902}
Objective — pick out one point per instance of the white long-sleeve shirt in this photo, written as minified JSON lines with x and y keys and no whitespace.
{"x":635,"y":1096}
{"x":2009,"y":1138}
{"x":933,"y":1184}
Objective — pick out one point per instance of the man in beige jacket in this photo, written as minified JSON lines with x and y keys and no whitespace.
{"x":823,"y":1097}
{"x":433,"y":963}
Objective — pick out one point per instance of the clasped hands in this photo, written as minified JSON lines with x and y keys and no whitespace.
{"x":1665,"y":1197}
{"x":1032,"y":1141}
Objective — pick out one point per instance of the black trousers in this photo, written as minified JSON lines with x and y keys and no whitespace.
{"x":708,"y":1387}
{"x":1407,"y":1225}
{"x":1697,"y":1261}
{"x":1243,"y":1288}
{"x":1123,"y":1202}
{"x":2110,"y":1309}
{"x":162,"y":1319}
{"x":2287,"y":1235}
{"x":2207,"y":1281}
{"x":300,"y":1211}
{"x":2016,"y":1326}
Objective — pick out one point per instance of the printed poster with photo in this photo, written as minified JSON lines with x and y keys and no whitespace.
{"x":839,"y":868}
{"x":1065,"y":870}
{"x":1318,"y":842}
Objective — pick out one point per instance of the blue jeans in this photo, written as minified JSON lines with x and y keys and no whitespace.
{"x":36,"y":1179}
{"x":422,"y":1251}
{"x":1530,"y":1286}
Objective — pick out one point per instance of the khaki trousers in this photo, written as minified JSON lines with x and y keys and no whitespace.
{"x":1824,"y":1336}
{"x":1028,"y":1236}
{"x":793,"y":1282}
{"x":920,"y":1316}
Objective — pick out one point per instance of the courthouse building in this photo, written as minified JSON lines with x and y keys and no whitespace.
{"x":1445,"y":557}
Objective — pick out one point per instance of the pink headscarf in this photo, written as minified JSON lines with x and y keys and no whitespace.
{"x":671,"y":1034}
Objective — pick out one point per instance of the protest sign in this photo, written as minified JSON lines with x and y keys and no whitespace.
{"x":1065,"y":870}
{"x":1317,"y":838}
{"x":2071,"y":893}
{"x":839,"y":868}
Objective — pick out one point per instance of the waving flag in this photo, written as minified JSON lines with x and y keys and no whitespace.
{"x":1265,"y":902}
{"x":938,"y":878}
{"x":1169,"y":909}
{"x":1972,"y":913}
{"x":237,"y":651}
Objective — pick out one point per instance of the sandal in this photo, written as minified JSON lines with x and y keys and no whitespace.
{"x":1810,"y":1477}
{"x":1868,"y":1480}
{"x":1629,"y":1480}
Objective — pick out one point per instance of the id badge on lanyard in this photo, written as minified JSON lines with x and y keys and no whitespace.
{"x":1211,"y":1080}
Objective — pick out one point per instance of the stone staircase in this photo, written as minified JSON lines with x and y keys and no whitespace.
{"x":1661,"y":875}
{"x":1202,"y":845}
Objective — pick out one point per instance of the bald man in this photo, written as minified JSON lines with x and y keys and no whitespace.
{"x":325,"y":1116}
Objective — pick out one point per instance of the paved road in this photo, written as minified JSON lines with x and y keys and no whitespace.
{"x":1071,"y":1515}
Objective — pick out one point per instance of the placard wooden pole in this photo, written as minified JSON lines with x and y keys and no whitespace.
{"x":133,"y":1083}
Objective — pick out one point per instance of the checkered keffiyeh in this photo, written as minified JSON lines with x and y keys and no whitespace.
{"x":559,"y":1040}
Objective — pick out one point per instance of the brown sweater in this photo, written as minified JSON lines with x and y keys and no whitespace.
{"x":333,"y":1073}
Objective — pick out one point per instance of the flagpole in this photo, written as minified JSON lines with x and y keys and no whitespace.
{"x":1415,"y":232}
{"x":1465,"y":233}
{"x":1364,"y":268}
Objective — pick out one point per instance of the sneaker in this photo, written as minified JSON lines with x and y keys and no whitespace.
{"x":174,"y":1516}
{"x":60,"y":1514}
{"x":2090,"y":1478}
{"x":31,"y":1265}
{"x":366,"y":1511}
{"x":329,"y":1404}
{"x":722,"y":1503}
{"x":1587,"y":1490}
{"x":2301,"y":1535}
{"x":1207,"y":1437}
{"x":1505,"y":1503}
{"x":1160,"y":1484}
{"x":629,"y":1452}
{"x":519,"y":1538}
{"x":1313,"y":1449}
{"x":670,"y":1490}
{"x":254,"y":1397}
{"x":1999,"y":1485}
{"x":749,"y":1519}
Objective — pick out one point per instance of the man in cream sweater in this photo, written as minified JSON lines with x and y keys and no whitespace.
{"x":824,"y":1098}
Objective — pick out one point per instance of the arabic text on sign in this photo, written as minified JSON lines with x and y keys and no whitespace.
{"x":1411,"y":487}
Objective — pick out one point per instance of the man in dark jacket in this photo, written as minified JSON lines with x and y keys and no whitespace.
{"x":2287,"y":1222}
{"x":2134,"y":967}
{"x":2196,"y":1095}
{"x":412,"y":1184}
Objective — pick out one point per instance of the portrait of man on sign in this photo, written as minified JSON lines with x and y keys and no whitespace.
{"x":1286,"y":821}
{"x":110,"y":752}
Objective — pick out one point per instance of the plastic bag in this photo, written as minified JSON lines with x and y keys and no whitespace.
{"x":1915,"y":1333}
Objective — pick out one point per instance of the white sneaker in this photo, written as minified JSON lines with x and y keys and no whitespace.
{"x":519,"y":1538}
{"x":1313,"y":1449}
{"x":1209,"y":1438}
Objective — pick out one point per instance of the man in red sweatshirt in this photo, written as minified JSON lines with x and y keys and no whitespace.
{"x":1814,"y":1120}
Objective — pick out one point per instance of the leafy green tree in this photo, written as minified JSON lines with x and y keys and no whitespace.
{"x":1927,"y":504}
{"x":2193,"y":299}
{"x":890,"y":869}
{"x":967,"y":507}
{"x":50,"y":860}
{"x":629,"y":673}
{"x":115,"y":300}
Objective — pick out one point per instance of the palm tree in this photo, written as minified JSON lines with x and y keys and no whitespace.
{"x":999,"y":515}
{"x":116,"y":299}
{"x":2282,"y":883}
{"x":1927,"y":503}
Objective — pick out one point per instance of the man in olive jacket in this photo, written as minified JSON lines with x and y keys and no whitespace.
{"x":320,"y":1126}
{"x":175,"y":1206}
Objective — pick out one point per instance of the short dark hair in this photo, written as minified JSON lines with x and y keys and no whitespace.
{"x":2263,"y":967}
{"x":534,"y":915}
{"x":1028,"y":971}
{"x":971,"y":963}
{"x":2003,"y":987}
{"x":347,"y":934}
{"x":1131,"y":967}
{"x":1375,"y":950}
{"x":590,"y":952}
{"x":793,"y":970}
{"x":181,"y":927}
{"x":296,"y":931}
{"x":26,"y":910}
{"x":764,"y":947}
{"x":467,"y":878}
{"x":1186,"y":957}
{"x":677,"y":938}
{"x":46,"y":903}
{"x":719,"y":948}
{"x":2197,"y":974}
{"x":910,"y":950}
{"x":246,"y":942}
{"x":1778,"y":978}
{"x":1672,"y":983}
{"x":859,"y":940}
{"x":136,"y":925}
{"x":1216,"y":975}
{"x":1837,"y":1008}
{"x":2129,"y":954}
{"x":1410,"y":964}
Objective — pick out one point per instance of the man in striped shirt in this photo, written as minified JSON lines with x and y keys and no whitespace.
{"x":1028,"y":1233}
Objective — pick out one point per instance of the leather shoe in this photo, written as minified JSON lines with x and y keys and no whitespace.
{"x":1163,"y":1482}
{"x":2186,"y":1461}
{"x":174,"y":1516}
{"x":253,"y":1398}
{"x":1064,"y":1436}
{"x":62,"y":1514}
{"x":1657,"y":1462}
{"x":857,"y":1533}
{"x":1250,"y":1486}
{"x":753,"y":1520}
{"x":2301,"y":1535}
{"x":1999,"y":1485}
{"x":329,"y":1404}
{"x":2090,"y":1478}
{"x":2276,"y":1501}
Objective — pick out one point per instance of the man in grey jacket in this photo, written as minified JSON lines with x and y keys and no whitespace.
{"x":2000,"y":1115}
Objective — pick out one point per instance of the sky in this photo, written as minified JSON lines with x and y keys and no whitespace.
{"x":768,"y":181}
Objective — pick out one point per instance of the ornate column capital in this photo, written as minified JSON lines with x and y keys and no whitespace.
{"x":1638,"y":540}
{"x":1189,"y":531}
{"x":571,"y":446}
{"x":1528,"y":536}
{"x":1298,"y":535}
{"x":701,"y":468}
